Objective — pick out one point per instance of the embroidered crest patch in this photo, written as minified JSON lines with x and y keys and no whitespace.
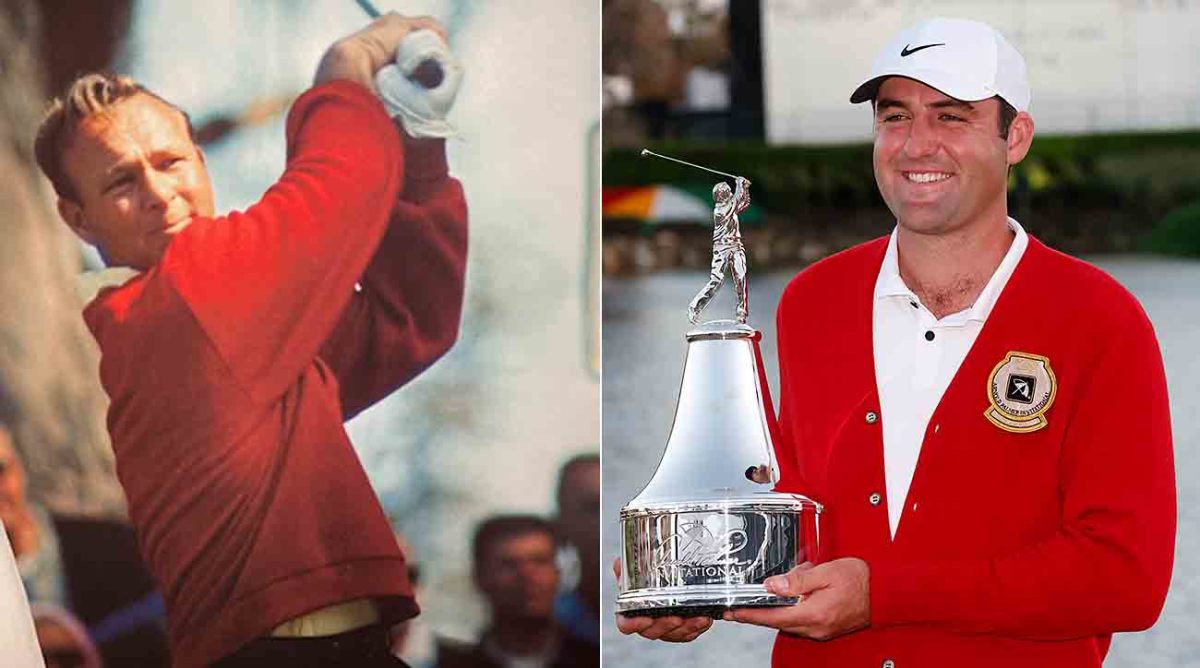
{"x":1020,"y":391}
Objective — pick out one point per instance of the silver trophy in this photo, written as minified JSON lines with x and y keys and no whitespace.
{"x":708,"y":528}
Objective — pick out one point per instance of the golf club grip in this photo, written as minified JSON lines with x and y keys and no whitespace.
{"x":429,"y":73}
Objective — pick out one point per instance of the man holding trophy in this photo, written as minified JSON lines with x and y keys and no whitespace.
{"x":985,"y":418}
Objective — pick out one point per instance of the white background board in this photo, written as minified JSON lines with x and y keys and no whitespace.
{"x":1094,"y":65}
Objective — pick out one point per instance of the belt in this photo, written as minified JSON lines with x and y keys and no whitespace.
{"x":330,"y":621}
{"x":368,"y":646}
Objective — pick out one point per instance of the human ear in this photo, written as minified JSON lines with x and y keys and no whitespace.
{"x":1020,"y":137}
{"x":72,"y":215}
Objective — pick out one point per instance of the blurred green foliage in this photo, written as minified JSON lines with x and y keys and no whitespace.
{"x":1135,"y":176}
{"x":1178,"y":233}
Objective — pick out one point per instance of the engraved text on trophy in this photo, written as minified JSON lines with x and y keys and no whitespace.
{"x":718,"y":548}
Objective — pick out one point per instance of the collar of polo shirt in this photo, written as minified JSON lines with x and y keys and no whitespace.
{"x":890,"y":285}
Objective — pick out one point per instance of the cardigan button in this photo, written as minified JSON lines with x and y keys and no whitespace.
{"x":888,"y":663}
{"x":875,"y":498}
{"x":872,"y":417}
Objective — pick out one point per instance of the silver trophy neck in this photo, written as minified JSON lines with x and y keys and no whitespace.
{"x":723,"y":329}
{"x":720,"y":448}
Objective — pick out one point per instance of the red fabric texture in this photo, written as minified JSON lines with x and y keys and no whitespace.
{"x":232,"y":363}
{"x":1014,"y":549}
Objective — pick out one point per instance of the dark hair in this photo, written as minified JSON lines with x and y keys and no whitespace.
{"x":88,"y":95}
{"x":567,"y":469}
{"x":502,"y":527}
{"x":1007,"y":114}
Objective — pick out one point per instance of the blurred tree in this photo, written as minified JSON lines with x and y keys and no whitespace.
{"x":637,"y":44}
{"x":48,"y":361}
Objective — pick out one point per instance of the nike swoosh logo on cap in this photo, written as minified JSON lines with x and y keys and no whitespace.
{"x":905,"y":52}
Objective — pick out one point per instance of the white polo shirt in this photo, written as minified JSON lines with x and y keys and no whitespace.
{"x":18,"y":643}
{"x":916,"y":356}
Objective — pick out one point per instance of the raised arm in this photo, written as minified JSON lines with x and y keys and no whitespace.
{"x":407,"y":313}
{"x":741,"y":194}
{"x":267,"y":285}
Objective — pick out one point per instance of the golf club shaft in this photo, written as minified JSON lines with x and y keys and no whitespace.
{"x":369,"y":8}
{"x":684,"y":162}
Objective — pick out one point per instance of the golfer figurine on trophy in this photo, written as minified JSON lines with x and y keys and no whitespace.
{"x":709,"y":526}
{"x":727,"y":248}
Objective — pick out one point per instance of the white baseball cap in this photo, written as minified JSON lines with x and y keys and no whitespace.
{"x":967,"y":60}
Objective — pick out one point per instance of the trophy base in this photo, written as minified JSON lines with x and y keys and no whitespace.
{"x":694,"y":602}
{"x":716,"y":612}
{"x":701,"y":558}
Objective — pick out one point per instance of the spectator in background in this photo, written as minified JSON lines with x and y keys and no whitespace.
{"x":88,"y":566}
{"x":578,"y":610}
{"x":514,"y":567}
{"x":62,"y":638}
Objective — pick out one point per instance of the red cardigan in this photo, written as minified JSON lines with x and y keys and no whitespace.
{"x":232,"y":363}
{"x":1014,"y":549}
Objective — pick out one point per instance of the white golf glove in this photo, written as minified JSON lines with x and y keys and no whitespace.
{"x":421,"y":110}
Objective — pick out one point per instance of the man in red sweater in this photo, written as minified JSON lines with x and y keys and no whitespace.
{"x":985,"y":418}
{"x":242,"y":342}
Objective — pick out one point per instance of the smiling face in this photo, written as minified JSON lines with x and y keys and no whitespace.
{"x":579,"y":508}
{"x":940,"y":163}
{"x":140,"y":180}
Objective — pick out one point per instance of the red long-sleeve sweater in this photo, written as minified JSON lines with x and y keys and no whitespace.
{"x":1014,"y":549}
{"x":232,"y":363}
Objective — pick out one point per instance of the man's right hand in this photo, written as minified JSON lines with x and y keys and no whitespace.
{"x":359,"y":56}
{"x":670,"y":629}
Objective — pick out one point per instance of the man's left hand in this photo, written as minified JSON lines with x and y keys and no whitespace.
{"x":359,"y":56}
{"x":835,"y":599}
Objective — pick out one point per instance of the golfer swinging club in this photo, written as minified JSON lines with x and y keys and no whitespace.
{"x":727,"y":248}
{"x":240,"y":343}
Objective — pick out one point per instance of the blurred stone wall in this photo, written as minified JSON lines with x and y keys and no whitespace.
{"x":48,"y":361}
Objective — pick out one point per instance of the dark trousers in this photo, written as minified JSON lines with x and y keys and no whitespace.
{"x":367,"y":647}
